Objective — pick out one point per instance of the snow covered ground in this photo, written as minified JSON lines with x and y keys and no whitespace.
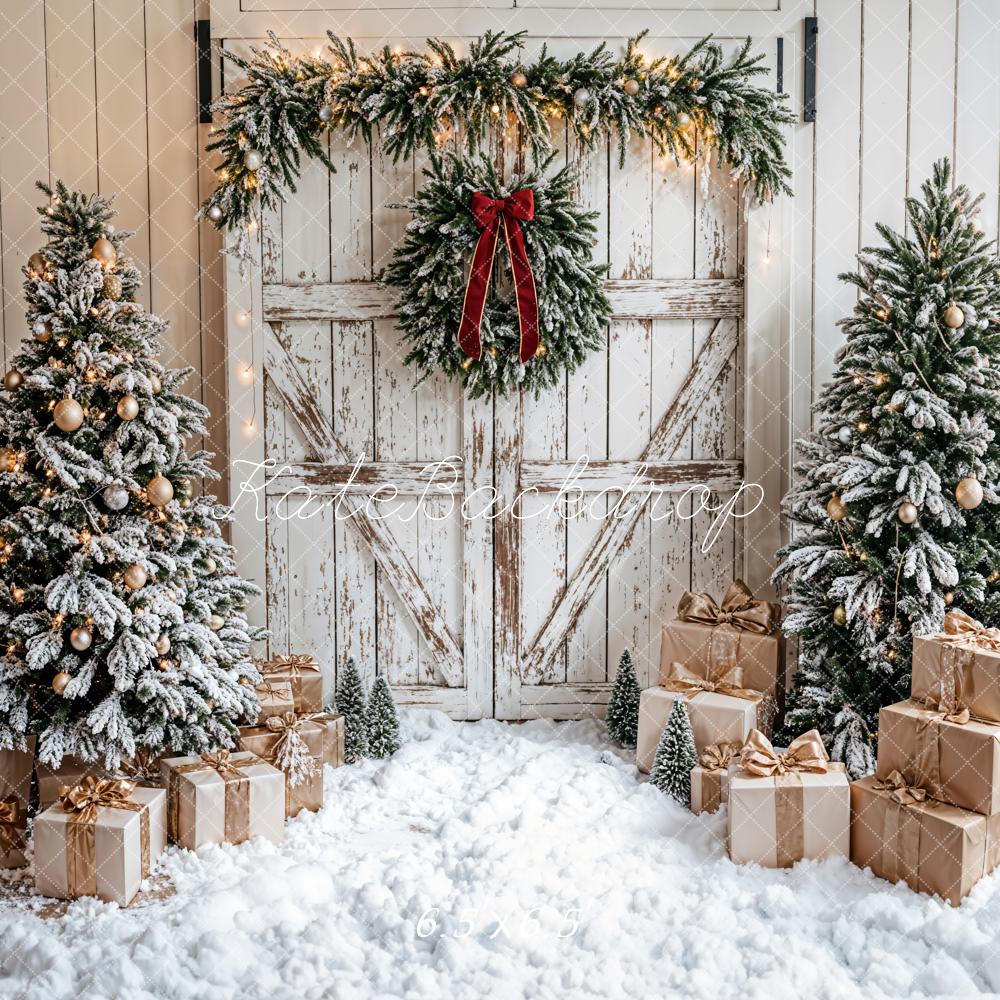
{"x":491,"y":861}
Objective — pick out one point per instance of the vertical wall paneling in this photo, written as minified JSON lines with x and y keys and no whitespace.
{"x":836,"y":173}
{"x":24,"y":153}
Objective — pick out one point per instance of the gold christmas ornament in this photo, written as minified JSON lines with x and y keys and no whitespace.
{"x":37,"y":263}
{"x":163,"y":644}
{"x":160,"y":491}
{"x":891,"y":654}
{"x":215,"y":213}
{"x":541,"y":350}
{"x":969,"y":493}
{"x":68,"y":415}
{"x":518,"y":79}
{"x":112,"y":287}
{"x":13,"y":380}
{"x":81,"y":638}
{"x":210,"y":565}
{"x":840,"y":615}
{"x":252,"y":159}
{"x":953,"y":317}
{"x":154,"y":384}
{"x":325,"y":115}
{"x":215,"y":622}
{"x":128,"y":407}
{"x":8,"y":460}
{"x":135,"y":577}
{"x":907,"y":512}
{"x":631,"y":87}
{"x":17,"y":593}
{"x":60,"y":681}
{"x":41,"y":331}
{"x":104,"y":251}
{"x":836,"y":509}
{"x":949,"y":596}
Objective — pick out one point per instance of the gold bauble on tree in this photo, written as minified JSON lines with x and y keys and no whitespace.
{"x":840,"y":615}
{"x":60,"y":681}
{"x":104,"y":251}
{"x":128,"y":407}
{"x":163,"y":644}
{"x":112,"y":287}
{"x":953,"y":317}
{"x":13,"y":380}
{"x":540,"y":350}
{"x":907,"y":512}
{"x":154,"y":384}
{"x":136,"y":577}
{"x":215,"y":622}
{"x":68,"y":414}
{"x":81,"y":638}
{"x":8,"y":459}
{"x":41,"y":331}
{"x":160,"y":491}
{"x":969,"y":493}
{"x":836,"y":509}
{"x":37,"y":263}
{"x":631,"y":87}
{"x":518,"y":79}
{"x":210,"y":565}
{"x":891,"y":654}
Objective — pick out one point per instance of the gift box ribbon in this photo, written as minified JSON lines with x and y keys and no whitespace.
{"x":83,"y":802}
{"x":925,"y":763}
{"x":714,"y":760}
{"x":901,"y":828}
{"x":963,"y":628}
{"x":738,"y":610}
{"x":13,"y":820}
{"x":805,"y":753}
{"x":236,"y":807}
{"x":721,"y":680}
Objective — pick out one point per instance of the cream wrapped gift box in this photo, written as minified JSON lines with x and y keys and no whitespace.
{"x":959,"y":666}
{"x":296,"y":748}
{"x":784,"y":807}
{"x":101,"y":839}
{"x":275,"y":698}
{"x":15,"y":790}
{"x":710,"y":777}
{"x":222,"y":797}
{"x":715,"y":718}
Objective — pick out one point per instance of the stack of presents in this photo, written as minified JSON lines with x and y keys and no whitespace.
{"x":929,"y":816}
{"x":99,"y":834}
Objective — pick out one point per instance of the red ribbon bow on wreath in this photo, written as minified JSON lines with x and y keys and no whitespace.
{"x":490,"y":214}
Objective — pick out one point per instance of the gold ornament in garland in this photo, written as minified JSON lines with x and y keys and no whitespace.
{"x":969,"y":493}
{"x":840,"y":616}
{"x":907,"y":512}
{"x":112,"y":287}
{"x":41,"y":331}
{"x":128,"y":407}
{"x":135,"y":577}
{"x":8,"y":460}
{"x":60,"y":682}
{"x":13,"y":380}
{"x":37,"y":265}
{"x":68,"y":415}
{"x":518,"y":79}
{"x":473,"y":330}
{"x":81,"y":638}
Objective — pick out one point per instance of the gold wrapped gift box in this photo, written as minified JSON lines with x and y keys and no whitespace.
{"x":933,"y":847}
{"x":15,"y":790}
{"x":710,"y":777}
{"x":955,"y":758}
{"x":275,"y":698}
{"x":301,"y":672}
{"x":101,"y":839}
{"x":959,"y":667}
{"x":266,"y":742}
{"x":740,"y":631}
{"x":715,"y":718}
{"x":223,"y":797}
{"x":785,"y":806}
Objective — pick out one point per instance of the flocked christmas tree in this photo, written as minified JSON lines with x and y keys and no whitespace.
{"x":622,"y":717}
{"x":353,"y":706}
{"x":383,"y":723}
{"x":675,"y":755}
{"x":890,"y":530}
{"x":119,"y":604}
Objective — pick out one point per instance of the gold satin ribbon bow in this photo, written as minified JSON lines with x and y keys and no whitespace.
{"x":293,"y":663}
{"x":220,"y":760}
{"x":738,"y":609}
{"x":949,"y":711}
{"x":94,"y":793}
{"x":722,"y":680}
{"x":12,"y":823}
{"x":717,"y":756}
{"x":960,"y":627}
{"x":899,"y":791}
{"x":804,"y":753}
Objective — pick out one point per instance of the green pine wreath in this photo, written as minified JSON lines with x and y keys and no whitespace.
{"x":430,"y":267}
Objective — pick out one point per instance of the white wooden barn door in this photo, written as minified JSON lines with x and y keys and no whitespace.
{"x":525,"y":613}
